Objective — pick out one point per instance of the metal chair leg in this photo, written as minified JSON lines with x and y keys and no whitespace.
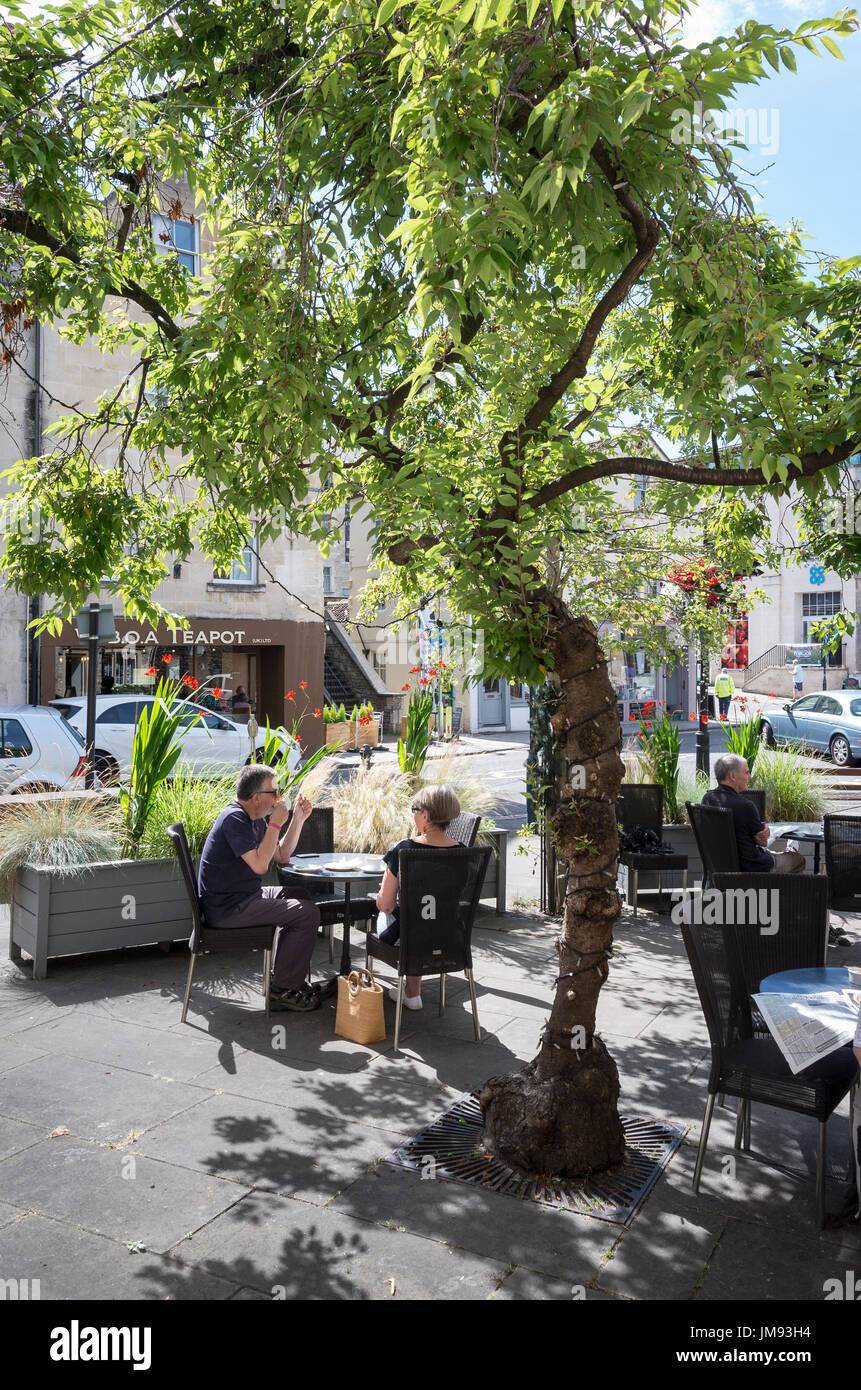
{"x":684,"y":880}
{"x":820,"y":1174}
{"x":701,"y":1151}
{"x":738,"y":1142}
{"x":267,"y":979}
{"x":441,"y":995}
{"x":746,"y":1141}
{"x":474,"y":1006}
{"x":331,"y":944}
{"x":187,"y":987}
{"x":399,"y":1009}
{"x":636,"y":888}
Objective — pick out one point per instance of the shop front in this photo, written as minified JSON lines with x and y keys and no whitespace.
{"x":265,"y":659}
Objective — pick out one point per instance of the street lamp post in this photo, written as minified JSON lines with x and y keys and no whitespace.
{"x":96,"y":623}
{"x":703,"y":761}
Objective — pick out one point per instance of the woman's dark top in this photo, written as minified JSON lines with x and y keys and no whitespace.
{"x":392,"y":932}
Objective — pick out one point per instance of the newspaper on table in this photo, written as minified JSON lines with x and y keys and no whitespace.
{"x":807,"y":1027}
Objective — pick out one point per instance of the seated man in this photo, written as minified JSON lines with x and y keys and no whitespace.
{"x":238,"y":851}
{"x":733,"y":776}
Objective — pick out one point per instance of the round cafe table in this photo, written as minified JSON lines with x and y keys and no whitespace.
{"x":345,"y":868}
{"x":814,"y":979}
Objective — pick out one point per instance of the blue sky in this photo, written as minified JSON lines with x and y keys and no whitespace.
{"x":813,"y":177}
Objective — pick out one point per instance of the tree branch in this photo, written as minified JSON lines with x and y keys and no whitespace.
{"x":21,"y":224}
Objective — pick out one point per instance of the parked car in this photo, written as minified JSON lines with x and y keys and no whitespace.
{"x":38,"y":749}
{"x":827,"y":722}
{"x":211,"y":742}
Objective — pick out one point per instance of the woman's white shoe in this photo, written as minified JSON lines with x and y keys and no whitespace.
{"x":414,"y":1002}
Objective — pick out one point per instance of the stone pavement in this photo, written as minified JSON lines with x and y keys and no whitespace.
{"x":233,"y":1158}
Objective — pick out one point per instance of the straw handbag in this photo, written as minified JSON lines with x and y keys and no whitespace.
{"x":360,"y":1008}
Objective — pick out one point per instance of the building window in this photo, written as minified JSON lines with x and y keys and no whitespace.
{"x":243,"y":570}
{"x":176,"y":237}
{"x":327,"y":579}
{"x":816,"y":606}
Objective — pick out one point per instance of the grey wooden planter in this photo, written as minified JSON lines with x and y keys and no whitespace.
{"x":494,"y":879}
{"x":101,"y":907}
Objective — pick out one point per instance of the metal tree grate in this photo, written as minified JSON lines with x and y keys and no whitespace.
{"x":450,"y":1149}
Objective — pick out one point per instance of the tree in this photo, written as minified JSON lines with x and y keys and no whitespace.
{"x":461,"y":248}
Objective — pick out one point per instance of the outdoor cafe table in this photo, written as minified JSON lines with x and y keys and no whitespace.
{"x":810,"y":830}
{"x":338,"y":867}
{"x":813,"y":979}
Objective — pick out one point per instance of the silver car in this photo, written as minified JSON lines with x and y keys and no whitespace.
{"x":828,"y":722}
{"x":38,"y":749}
{"x":211,"y":742}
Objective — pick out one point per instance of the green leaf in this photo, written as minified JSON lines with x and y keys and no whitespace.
{"x":386,"y":11}
{"x":830,"y":45}
{"x":788,"y":59}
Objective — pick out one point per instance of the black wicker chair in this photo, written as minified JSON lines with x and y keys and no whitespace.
{"x":801,"y":936}
{"x":317,"y":836}
{"x":752,"y":1067}
{"x":464,"y":828}
{"x":714,"y":832}
{"x":204,"y":938}
{"x":843,"y":862}
{"x":641,"y":805}
{"x":437,"y":899}
{"x":757,"y":796}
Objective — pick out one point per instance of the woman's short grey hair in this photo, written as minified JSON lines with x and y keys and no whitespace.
{"x":252,"y":779}
{"x":440,"y":803}
{"x":727,"y":765}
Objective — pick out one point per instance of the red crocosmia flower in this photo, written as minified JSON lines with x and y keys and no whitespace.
{"x":192,"y":682}
{"x":771,"y":695}
{"x":723,"y":717}
{"x":414,"y":669}
{"x":647,"y":724}
{"x":166,"y":659}
{"x":405,"y":686}
{"x":151,"y":671}
{"x":424,"y":681}
{"x":632,"y":716}
{"x":303,"y":685}
{"x":317,"y":713}
{"x":217,"y":692}
{"x":291,"y":695}
{"x":641,"y":734}
{"x":296,"y":738}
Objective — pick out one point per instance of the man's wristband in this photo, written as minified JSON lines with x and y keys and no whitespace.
{"x":273,"y":825}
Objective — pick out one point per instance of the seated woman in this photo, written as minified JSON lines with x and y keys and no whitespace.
{"x":433,"y":808}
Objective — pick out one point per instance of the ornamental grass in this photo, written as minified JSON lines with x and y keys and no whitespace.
{"x":65,"y":834}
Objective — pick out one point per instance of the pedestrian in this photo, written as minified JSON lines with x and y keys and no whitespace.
{"x":238,"y":851}
{"x":724,"y":688}
{"x":797,"y":678}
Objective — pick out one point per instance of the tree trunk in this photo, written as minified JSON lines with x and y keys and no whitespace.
{"x":558,"y":1116}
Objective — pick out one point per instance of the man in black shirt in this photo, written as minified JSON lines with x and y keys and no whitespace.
{"x":238,"y":851}
{"x":733,"y":776}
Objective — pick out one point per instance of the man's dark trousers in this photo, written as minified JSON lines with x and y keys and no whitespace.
{"x":297,"y":920}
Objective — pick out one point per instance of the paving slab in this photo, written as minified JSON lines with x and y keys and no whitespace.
{"x":8,"y":1214}
{"x":557,"y":1243}
{"x":90,"y":1099}
{"x":750,"y":1263}
{"x":524,"y":1285}
{"x":71,"y":1264}
{"x":662,"y":1256}
{"x":15,"y":1136}
{"x":373,"y":1096}
{"x":114,"y":1192}
{"x":283,"y":1247}
{"x":13,"y":1053}
{"x":117,"y":1043}
{"x":311,"y":1154}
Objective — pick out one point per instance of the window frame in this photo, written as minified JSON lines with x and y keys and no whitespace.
{"x":162,"y":223}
